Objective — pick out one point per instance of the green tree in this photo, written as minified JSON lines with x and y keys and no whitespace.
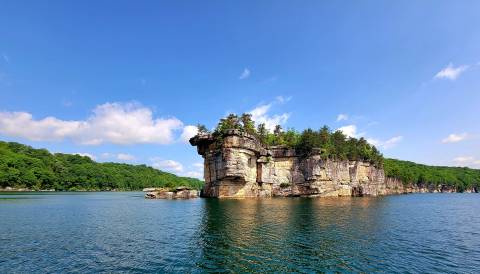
{"x":248,"y":123}
{"x":202,"y":129}
{"x":262,"y":133}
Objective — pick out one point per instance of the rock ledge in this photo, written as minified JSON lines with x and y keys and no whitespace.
{"x":166,"y":193}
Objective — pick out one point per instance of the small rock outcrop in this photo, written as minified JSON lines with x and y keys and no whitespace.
{"x":238,"y":165}
{"x":164,"y":193}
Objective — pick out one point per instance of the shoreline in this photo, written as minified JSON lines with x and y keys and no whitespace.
{"x":54,"y":190}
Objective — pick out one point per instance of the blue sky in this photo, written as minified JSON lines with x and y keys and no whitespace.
{"x":124,"y":81}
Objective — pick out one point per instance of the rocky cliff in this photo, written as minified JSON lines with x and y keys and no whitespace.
{"x":238,"y":165}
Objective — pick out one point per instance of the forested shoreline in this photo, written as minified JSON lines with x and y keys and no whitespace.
{"x":335,"y":145}
{"x":24,"y":167}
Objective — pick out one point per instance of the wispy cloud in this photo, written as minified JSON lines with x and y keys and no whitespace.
{"x":386,"y":144}
{"x":245,"y":74}
{"x":119,"y":156}
{"x":342,"y":117}
{"x":270,"y":80}
{"x":467,"y":161}
{"x":5,"y":57}
{"x":455,"y":138}
{"x":283,"y":99}
{"x":166,"y":165}
{"x":196,"y":171}
{"x":392,"y":142}
{"x":198,"y":165}
{"x":67,"y":103}
{"x":450,"y":72}
{"x":114,"y":123}
{"x":125,"y":157}
{"x":261,"y":114}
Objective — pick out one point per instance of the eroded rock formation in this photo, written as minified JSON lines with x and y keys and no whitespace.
{"x":238,"y":165}
{"x":164,"y":193}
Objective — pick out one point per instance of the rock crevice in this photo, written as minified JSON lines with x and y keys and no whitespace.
{"x":237,"y":165}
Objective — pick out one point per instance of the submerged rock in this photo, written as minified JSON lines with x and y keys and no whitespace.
{"x":165,"y":193}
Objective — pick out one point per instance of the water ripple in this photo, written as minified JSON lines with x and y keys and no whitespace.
{"x":123,"y":233}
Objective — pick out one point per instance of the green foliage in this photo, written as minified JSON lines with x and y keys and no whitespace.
{"x":330,"y":145}
{"x":26,"y":167}
{"x":409,"y":172}
{"x":230,"y":122}
{"x":335,"y":145}
{"x":247,"y":123}
{"x":202,"y":128}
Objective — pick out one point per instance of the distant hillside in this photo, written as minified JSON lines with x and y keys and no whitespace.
{"x":22,"y":166}
{"x":461,"y":177}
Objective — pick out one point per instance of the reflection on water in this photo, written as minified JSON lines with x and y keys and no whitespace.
{"x":123,"y":232}
{"x":289,"y":234}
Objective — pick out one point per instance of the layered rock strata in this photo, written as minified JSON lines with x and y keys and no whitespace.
{"x":238,"y":165}
{"x":178,"y":193}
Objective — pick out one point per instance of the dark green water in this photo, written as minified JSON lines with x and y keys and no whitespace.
{"x":123,"y":232}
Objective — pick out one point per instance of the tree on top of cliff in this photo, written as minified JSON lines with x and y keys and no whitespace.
{"x":232,"y":121}
{"x":331,"y":145}
{"x":248,"y":123}
{"x":229,"y":122}
{"x":202,"y":129}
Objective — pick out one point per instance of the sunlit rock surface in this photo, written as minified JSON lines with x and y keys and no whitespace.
{"x":238,"y":165}
{"x":163,"y":193}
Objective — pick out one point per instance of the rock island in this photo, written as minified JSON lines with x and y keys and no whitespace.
{"x":237,"y":163}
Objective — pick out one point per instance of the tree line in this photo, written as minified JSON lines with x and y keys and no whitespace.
{"x":337,"y":146}
{"x":461,"y":177}
{"x":22,"y":166}
{"x":329,"y":144}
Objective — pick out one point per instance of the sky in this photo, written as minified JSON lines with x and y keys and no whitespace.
{"x":126,"y":81}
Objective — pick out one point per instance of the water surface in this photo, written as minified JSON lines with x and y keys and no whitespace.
{"x":123,"y":232}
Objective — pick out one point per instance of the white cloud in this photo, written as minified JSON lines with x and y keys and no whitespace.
{"x":198,"y":165}
{"x":106,"y":155}
{"x":260,"y":115}
{"x":469,"y":161}
{"x":342,"y":117}
{"x":167,"y":165}
{"x":454,"y":138}
{"x":119,"y":156}
{"x":86,"y":154}
{"x":115,"y":123}
{"x":245,"y":74}
{"x":282,"y":99}
{"x":464,"y":159}
{"x":188,"y":132}
{"x":194,"y":174}
{"x":196,"y":171}
{"x":21,"y":124}
{"x":349,"y":131}
{"x":450,"y":72}
{"x":125,"y":157}
{"x":392,"y":142}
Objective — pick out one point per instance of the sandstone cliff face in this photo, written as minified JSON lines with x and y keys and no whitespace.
{"x":239,"y":166}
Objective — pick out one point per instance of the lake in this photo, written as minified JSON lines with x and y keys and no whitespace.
{"x":123,"y":232}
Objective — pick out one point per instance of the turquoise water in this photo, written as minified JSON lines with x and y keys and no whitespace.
{"x":123,"y":232}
